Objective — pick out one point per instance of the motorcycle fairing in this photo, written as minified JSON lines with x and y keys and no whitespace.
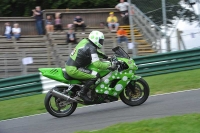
{"x":124,"y":78}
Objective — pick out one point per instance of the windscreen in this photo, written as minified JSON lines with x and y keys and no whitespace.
{"x":120,"y":52}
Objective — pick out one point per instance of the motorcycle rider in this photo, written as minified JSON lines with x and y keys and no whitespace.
{"x":85,"y":53}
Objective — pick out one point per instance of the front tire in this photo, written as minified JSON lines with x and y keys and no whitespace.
{"x":51,"y":103}
{"x":135,"y":96}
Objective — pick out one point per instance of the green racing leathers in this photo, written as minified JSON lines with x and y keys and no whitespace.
{"x":84,"y":54}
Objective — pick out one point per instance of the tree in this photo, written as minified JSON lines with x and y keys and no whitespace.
{"x":23,"y":7}
{"x":153,"y":9}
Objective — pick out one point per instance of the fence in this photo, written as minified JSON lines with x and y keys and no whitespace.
{"x":149,"y":29}
{"x":27,"y":85}
{"x":92,"y":18}
{"x":168,"y":62}
{"x":148,"y":66}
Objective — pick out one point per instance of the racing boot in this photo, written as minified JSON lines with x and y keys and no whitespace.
{"x":89,"y":84}
{"x":84,"y":90}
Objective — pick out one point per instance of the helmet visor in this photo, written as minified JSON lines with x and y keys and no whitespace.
{"x":101,"y":41}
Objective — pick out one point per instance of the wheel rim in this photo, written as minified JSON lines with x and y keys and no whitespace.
{"x":134,"y":94}
{"x":59,"y":106}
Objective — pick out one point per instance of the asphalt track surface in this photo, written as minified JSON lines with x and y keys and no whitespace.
{"x":100,"y":116}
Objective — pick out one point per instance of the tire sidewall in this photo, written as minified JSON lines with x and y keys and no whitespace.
{"x":48,"y":108}
{"x":142,"y":100}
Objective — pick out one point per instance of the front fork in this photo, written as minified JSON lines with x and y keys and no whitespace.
{"x":132,"y":82}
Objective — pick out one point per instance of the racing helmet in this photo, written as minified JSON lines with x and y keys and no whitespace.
{"x":97,"y":38}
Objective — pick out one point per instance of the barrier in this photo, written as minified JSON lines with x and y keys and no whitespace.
{"x":20,"y":85}
{"x":28,"y":85}
{"x":148,"y":66}
{"x":168,"y":62}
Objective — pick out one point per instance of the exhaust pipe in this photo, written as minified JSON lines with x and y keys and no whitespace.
{"x":60,"y":95}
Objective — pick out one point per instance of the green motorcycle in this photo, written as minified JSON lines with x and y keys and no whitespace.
{"x":61,"y":101}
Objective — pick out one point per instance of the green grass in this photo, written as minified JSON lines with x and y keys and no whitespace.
{"x":172,"y":82}
{"x":22,"y":106}
{"x":174,"y":124}
{"x":158,"y":84}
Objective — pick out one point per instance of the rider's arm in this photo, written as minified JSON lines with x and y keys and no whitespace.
{"x":101,"y":54}
{"x":95,"y":59}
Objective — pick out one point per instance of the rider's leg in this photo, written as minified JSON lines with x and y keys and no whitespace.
{"x":87,"y":86}
{"x":84,"y":74}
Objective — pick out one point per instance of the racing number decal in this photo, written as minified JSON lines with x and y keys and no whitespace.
{"x":73,"y":52}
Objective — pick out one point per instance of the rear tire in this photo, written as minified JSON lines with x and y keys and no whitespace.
{"x":143,"y":94}
{"x":58,"y":113}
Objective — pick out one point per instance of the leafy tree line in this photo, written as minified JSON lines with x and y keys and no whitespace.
{"x":152,"y":8}
{"x":16,"y":8}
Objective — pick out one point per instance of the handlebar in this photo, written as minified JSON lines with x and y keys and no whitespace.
{"x":114,"y":58}
{"x":115,"y":61}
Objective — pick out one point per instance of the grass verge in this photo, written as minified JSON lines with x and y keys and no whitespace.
{"x":158,"y":84}
{"x":175,"y":124}
{"x":173,"y":82}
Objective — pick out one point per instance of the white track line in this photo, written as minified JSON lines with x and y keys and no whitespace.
{"x":105,"y":103}
{"x":174,"y":92}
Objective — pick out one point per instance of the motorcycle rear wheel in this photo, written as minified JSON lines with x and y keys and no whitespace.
{"x":135,"y":96}
{"x":51,"y":103}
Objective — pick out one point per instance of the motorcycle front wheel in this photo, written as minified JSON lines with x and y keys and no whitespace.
{"x":58,"y":107}
{"x":135,"y":93}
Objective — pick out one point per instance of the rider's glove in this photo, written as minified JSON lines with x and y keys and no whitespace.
{"x":113,"y":66}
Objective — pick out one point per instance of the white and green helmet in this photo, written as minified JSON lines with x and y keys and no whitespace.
{"x":97,"y":38}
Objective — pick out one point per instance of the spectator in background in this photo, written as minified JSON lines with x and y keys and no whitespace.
{"x":49,"y":24}
{"x":71,"y":36}
{"x":58,"y":24}
{"x":37,"y":13}
{"x":112,"y":22}
{"x":78,"y":22}
{"x":8,"y":31}
{"x":122,"y":36}
{"x":123,"y":8}
{"x":16,"y":31}
{"x":70,"y":26}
